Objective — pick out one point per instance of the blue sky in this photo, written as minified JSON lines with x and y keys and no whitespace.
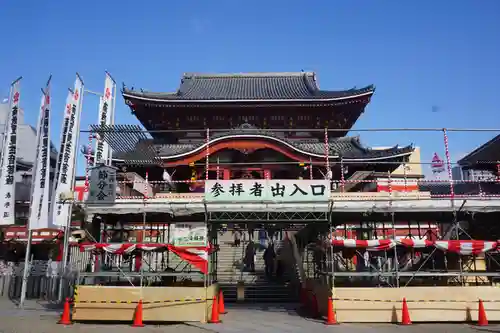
{"x":419,"y":54}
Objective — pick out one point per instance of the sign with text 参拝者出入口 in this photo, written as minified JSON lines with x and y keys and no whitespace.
{"x":102,"y":184}
{"x":274,"y":190}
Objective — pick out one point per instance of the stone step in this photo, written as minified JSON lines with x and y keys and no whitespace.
{"x":260,"y":293}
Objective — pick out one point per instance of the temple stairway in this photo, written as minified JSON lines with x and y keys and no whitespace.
{"x":257,"y":288}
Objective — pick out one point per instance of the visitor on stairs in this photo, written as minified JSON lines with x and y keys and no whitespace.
{"x":237,"y":238}
{"x":250,"y":257}
{"x":262,"y":239}
{"x":279,"y":264}
{"x":269,"y":257}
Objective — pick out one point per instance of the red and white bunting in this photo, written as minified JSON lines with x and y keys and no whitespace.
{"x":196,"y":256}
{"x":463,"y":247}
{"x":415,"y":243}
{"x":466,"y":247}
{"x":368,"y":245}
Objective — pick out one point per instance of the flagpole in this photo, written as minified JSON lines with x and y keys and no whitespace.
{"x":62,"y":147}
{"x":27,"y":263}
{"x":72,"y":186}
{"x":112,"y":118}
{"x":27,"y":266}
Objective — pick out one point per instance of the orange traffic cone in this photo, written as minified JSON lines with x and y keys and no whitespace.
{"x":330,"y":316}
{"x":482,"y":320}
{"x":65,"y":317}
{"x":222,"y":308}
{"x":215,"y":312}
{"x":138,"y":315}
{"x":405,"y":317}
{"x":314,"y":306}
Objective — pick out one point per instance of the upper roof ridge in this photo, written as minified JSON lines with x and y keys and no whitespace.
{"x":247,"y":74}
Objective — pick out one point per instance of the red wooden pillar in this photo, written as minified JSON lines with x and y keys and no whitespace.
{"x":226,"y":174}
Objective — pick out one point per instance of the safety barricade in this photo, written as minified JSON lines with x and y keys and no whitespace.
{"x":92,"y":303}
{"x":463,"y":304}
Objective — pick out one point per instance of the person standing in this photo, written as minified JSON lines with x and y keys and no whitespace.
{"x":237,"y":237}
{"x":250,"y":257}
{"x":269,"y":257}
{"x":262,"y":239}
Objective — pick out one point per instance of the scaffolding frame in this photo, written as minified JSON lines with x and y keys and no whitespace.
{"x":213,"y":217}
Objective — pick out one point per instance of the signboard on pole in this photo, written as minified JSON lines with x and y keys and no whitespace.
{"x":272,"y":190}
{"x":9,"y":159}
{"x":102,"y":189}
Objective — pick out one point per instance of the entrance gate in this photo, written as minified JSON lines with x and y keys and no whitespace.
{"x":259,"y":231}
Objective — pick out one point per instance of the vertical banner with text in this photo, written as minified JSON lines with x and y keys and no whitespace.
{"x":9,"y":158}
{"x":66,"y":176}
{"x":102,"y":149}
{"x":39,"y":209}
{"x":60,"y":155}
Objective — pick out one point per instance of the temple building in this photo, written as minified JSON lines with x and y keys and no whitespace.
{"x":268,"y":157}
{"x":257,"y":126}
{"x":254,"y":126}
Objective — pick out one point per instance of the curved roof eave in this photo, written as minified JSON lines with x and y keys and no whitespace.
{"x":138,"y":96}
{"x":402,"y":152}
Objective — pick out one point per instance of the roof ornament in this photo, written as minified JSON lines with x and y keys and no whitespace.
{"x":245,"y":126}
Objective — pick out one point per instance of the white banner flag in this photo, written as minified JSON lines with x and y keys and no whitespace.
{"x":39,"y":209}
{"x":66,"y":176}
{"x":9,"y":159}
{"x":106,"y":107}
{"x":64,"y":132}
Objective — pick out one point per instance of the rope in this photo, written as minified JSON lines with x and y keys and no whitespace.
{"x":389,"y":185}
{"x":316,"y":130}
{"x":207,"y":153}
{"x":448,"y":163}
{"x":310,"y":169}
{"x":342,"y":178}
{"x":411,"y":301}
{"x":327,"y":151}
{"x":87,"y":166}
{"x":405,"y":178}
{"x":146,"y":186}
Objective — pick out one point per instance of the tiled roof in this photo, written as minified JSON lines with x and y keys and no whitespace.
{"x":346,"y":147}
{"x":486,"y":156}
{"x":130,"y":143}
{"x":443,"y":188}
{"x":249,"y":87}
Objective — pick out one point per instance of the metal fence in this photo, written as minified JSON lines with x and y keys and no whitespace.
{"x":44,"y":278}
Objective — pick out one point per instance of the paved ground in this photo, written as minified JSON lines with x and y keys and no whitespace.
{"x":42,"y":318}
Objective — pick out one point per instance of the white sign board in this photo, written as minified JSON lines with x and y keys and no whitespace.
{"x":102,"y":187}
{"x":273,"y":190}
{"x":190,"y":234}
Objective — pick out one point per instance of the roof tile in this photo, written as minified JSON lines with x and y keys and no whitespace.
{"x":250,"y":86}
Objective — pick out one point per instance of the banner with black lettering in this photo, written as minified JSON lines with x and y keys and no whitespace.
{"x":9,"y":158}
{"x":106,"y":107}
{"x":39,"y":209}
{"x":63,"y":198}
{"x":64,"y":131}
